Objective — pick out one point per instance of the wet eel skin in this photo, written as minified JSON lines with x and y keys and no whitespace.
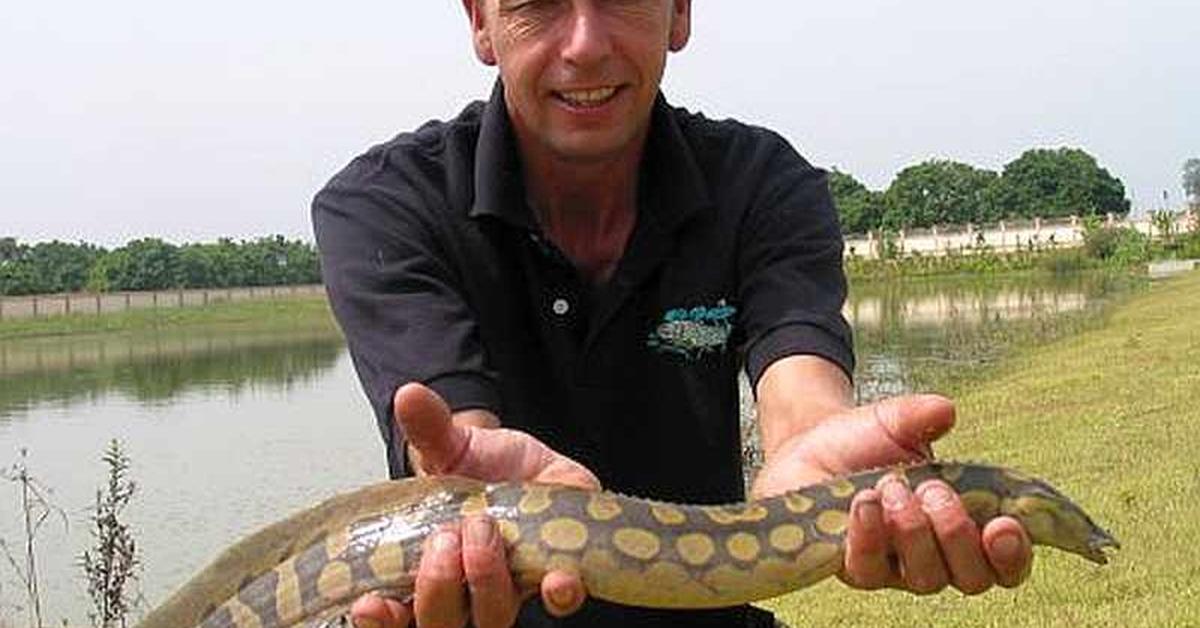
{"x":307,"y":569}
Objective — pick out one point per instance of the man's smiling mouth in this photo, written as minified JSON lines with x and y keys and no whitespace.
{"x":585,"y":98}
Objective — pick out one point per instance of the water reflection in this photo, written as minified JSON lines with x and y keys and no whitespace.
{"x":922,"y":335}
{"x":226,"y":431}
{"x":158,"y":368}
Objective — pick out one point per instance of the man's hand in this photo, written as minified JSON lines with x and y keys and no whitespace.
{"x":464,"y":571}
{"x":918,"y":540}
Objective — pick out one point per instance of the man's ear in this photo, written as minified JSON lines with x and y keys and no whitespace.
{"x":681,"y":24}
{"x":480,"y":37}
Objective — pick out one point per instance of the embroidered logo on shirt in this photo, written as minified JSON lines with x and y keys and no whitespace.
{"x":693,"y":332}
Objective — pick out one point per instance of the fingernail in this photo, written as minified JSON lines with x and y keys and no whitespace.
{"x":895,"y":494}
{"x":868,"y":511}
{"x":445,"y":542}
{"x":366,"y":622}
{"x":936,"y":496}
{"x":478,"y":532}
{"x":1006,"y":547}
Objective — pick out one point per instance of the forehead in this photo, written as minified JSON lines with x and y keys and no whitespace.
{"x":600,"y":3}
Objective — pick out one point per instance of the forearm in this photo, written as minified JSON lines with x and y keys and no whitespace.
{"x":797,"y":393}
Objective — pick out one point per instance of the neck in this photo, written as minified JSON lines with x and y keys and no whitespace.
{"x":587,"y":208}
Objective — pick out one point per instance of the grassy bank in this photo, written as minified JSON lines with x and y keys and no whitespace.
{"x":231,"y":315}
{"x":980,"y":263}
{"x":1110,"y":416}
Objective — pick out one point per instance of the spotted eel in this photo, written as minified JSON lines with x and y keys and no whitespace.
{"x":307,"y":569}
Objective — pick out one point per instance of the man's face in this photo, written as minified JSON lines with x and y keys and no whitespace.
{"x":580,"y":76}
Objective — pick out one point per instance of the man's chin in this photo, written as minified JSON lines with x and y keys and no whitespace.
{"x":593,"y":148}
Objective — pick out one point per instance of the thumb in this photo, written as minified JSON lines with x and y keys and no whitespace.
{"x":376,"y":610}
{"x":913,"y":422}
{"x":424,"y":419}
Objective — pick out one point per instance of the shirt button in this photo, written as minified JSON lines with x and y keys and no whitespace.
{"x":560,"y":307}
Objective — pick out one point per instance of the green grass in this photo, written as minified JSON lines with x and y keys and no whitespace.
{"x":1111,"y":417}
{"x":238,"y":315}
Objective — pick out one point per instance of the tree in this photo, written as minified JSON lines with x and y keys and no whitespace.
{"x":1059,"y":182}
{"x":62,"y":267}
{"x":146,"y":264}
{"x":939,"y":192}
{"x":859,"y":209}
{"x":197,"y":265}
{"x":44,"y":267}
{"x":1191,"y":179}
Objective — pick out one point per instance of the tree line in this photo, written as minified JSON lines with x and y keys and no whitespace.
{"x":153,"y":264}
{"x":1046,"y":183}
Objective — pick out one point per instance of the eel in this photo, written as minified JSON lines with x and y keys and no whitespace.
{"x":306,"y":570}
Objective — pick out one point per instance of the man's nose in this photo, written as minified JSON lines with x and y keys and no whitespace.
{"x":588,"y":39}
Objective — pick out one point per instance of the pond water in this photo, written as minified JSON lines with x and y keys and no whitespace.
{"x":230,"y":431}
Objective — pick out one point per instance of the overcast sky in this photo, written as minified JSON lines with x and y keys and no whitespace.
{"x":192,"y":121}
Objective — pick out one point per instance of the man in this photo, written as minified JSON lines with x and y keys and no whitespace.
{"x":584,"y":265}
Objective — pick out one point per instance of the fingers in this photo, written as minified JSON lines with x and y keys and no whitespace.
{"x":925,"y":540}
{"x":921,"y":566}
{"x":1009,"y":550}
{"x":477,"y":556}
{"x":440,"y":601}
{"x":562,"y":593}
{"x":374,"y":611}
{"x":913,"y":422}
{"x":565,"y":471}
{"x":425,"y":419}
{"x":494,"y":597}
{"x":958,"y":537}
{"x":868,"y":562}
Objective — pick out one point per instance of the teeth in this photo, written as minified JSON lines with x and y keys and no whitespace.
{"x":588,"y":96}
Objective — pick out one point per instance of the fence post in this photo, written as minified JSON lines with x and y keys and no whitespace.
{"x":97,"y":302}
{"x":154,"y":296}
{"x":35,"y":312}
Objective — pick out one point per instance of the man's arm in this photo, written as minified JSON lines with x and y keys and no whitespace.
{"x":795,"y":394}
{"x":918,"y":540}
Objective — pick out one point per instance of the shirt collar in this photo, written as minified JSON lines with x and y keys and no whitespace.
{"x":673,"y":187}
{"x":499,"y":183}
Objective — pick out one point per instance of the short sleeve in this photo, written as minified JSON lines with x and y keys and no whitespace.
{"x":395,"y":292}
{"x":792,"y":285}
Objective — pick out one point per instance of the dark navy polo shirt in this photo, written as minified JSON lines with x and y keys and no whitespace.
{"x":439,"y":273}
